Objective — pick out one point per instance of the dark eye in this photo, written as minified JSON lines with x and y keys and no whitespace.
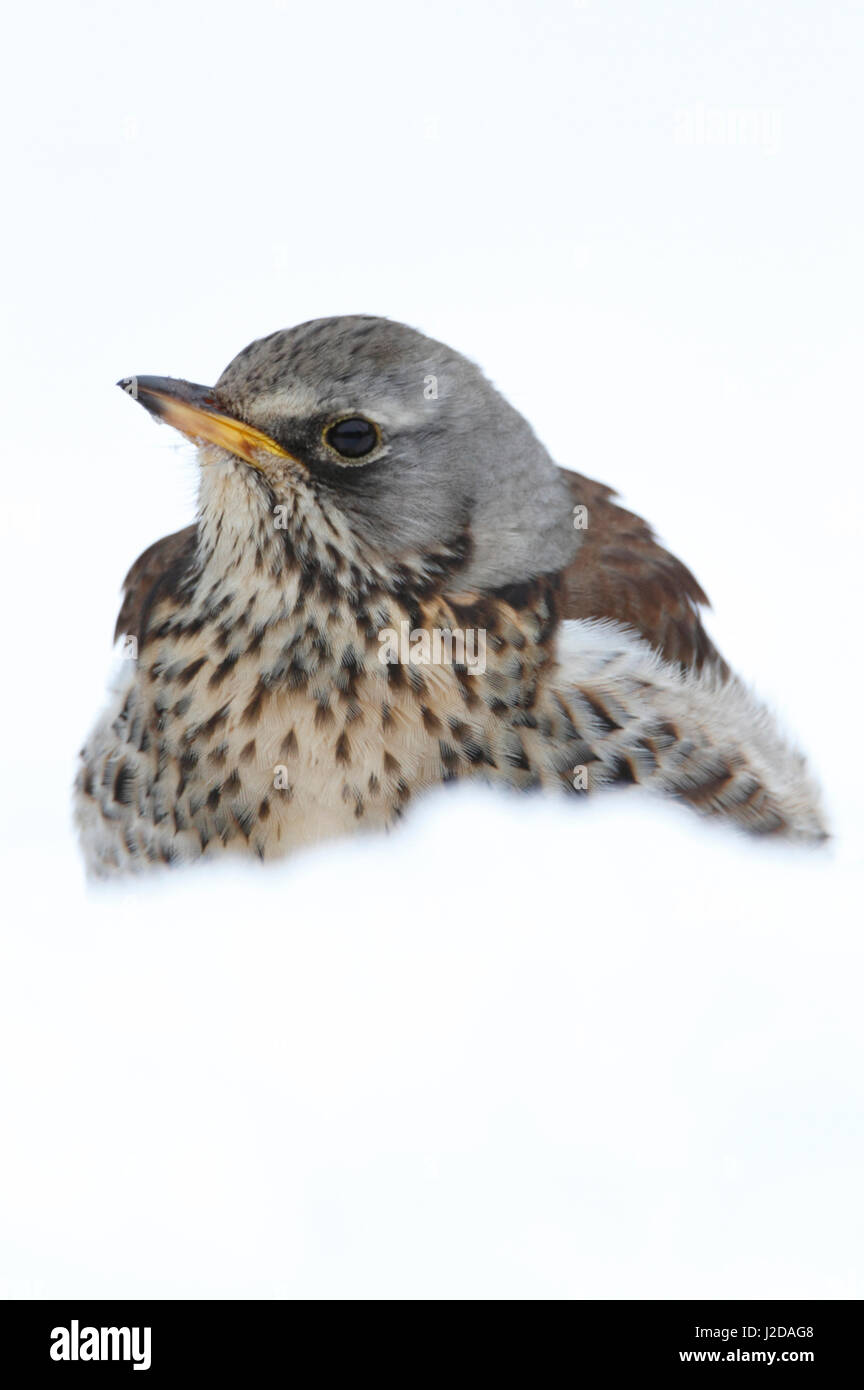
{"x":352,"y":438}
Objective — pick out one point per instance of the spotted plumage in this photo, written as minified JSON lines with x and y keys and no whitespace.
{"x":256,"y":712}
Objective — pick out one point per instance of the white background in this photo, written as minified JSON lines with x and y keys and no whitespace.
{"x":518,"y":1049}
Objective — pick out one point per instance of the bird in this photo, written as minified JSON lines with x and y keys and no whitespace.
{"x":389,"y":586}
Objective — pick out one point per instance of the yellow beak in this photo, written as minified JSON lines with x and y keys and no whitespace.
{"x":194,"y":411}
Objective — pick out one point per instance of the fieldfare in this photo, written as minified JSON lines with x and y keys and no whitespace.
{"x":391,"y":585}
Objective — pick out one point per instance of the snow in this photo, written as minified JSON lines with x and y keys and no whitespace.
{"x":520,"y":1047}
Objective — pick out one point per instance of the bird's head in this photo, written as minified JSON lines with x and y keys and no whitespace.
{"x":364,"y":440}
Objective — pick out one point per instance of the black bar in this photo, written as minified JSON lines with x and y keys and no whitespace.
{"x":243,"y":1340}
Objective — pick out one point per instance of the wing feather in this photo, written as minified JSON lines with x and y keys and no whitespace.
{"x":157,"y":571}
{"x":621,"y":571}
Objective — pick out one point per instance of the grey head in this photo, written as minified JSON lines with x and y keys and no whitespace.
{"x":409,"y":441}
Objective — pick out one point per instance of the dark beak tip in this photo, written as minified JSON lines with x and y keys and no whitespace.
{"x":129,"y":384}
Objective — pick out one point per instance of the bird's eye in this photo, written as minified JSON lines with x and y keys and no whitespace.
{"x":353,"y":438}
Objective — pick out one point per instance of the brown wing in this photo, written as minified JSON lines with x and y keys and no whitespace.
{"x":621,"y":571}
{"x":157,"y":571}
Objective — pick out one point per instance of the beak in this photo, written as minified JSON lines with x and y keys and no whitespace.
{"x":194,"y":411}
